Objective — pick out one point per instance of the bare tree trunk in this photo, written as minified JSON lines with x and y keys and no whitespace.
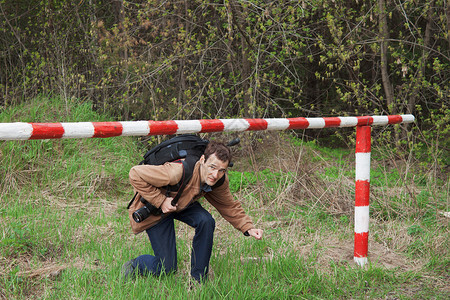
{"x":411,"y":107}
{"x":120,"y":18}
{"x":384,"y":34}
{"x":123,"y":52}
{"x":240,"y":14}
{"x":94,"y":40}
{"x":423,"y":59}
{"x":246,"y":71}
{"x":182,"y":88}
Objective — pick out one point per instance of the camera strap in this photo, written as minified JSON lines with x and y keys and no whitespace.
{"x":188,"y":169}
{"x":132,"y":200}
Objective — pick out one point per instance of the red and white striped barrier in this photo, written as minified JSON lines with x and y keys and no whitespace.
{"x":27,"y":131}
{"x":31,"y":131}
{"x":362,"y":189}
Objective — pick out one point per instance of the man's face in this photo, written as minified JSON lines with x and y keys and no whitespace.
{"x":212,"y":169}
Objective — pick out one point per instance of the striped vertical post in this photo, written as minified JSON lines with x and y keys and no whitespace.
{"x":362,"y":189}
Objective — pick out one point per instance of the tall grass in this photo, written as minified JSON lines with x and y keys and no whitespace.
{"x":65,"y":234}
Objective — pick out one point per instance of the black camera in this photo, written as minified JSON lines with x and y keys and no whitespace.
{"x":148,"y":209}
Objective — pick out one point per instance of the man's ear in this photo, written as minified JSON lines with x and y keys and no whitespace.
{"x":202,"y":159}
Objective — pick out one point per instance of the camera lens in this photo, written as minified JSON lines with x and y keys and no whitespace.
{"x":141,"y":214}
{"x":137,"y":217}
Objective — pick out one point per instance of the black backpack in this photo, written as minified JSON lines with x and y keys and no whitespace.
{"x":182,"y":146}
{"x":187,"y":149}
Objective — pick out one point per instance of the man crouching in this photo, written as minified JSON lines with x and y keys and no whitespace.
{"x":210,"y":180}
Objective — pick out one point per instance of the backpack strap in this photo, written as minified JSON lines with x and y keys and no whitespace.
{"x":188,"y":170}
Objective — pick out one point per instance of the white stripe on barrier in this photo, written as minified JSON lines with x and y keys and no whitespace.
{"x":235,"y":124}
{"x":362,"y":167}
{"x":407,"y":118}
{"x":78,"y":130}
{"x":16,"y":131}
{"x":316,"y":122}
{"x":380,"y":120}
{"x":361,"y":219}
{"x":277,"y":124}
{"x":348,"y":121}
{"x":135,"y":128}
{"x":188,"y":126}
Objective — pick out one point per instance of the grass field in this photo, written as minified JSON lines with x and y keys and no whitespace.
{"x":65,"y":234}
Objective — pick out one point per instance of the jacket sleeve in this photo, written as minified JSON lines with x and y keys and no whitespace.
{"x":148,"y":179}
{"x":230,"y":209}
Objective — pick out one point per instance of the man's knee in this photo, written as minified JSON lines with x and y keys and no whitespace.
{"x":207,"y":221}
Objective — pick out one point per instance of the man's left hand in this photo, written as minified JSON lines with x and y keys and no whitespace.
{"x":256,"y":233}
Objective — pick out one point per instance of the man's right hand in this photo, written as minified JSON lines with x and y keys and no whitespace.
{"x":167,"y":206}
{"x":256,"y":233}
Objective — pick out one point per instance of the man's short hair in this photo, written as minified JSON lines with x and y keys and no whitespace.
{"x":222,"y":152}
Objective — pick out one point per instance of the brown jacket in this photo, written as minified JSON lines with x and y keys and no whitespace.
{"x":148,"y":181}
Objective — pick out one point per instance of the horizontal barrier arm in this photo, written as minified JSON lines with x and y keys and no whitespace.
{"x":29,"y":131}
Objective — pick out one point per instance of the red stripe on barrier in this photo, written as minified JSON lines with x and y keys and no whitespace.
{"x":257,"y":124}
{"x":332,"y":122}
{"x":365,"y":120}
{"x":362,"y":192}
{"x":298,"y":123}
{"x":212,"y":125}
{"x":162,"y":127}
{"x":395,"y":119}
{"x":361,"y":244}
{"x":107,"y":129}
{"x":363,"y":139}
{"x":47,"y":131}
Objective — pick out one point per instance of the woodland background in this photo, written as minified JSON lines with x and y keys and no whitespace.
{"x":216,"y":59}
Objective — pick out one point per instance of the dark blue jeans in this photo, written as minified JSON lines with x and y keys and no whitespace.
{"x":162,"y":238}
